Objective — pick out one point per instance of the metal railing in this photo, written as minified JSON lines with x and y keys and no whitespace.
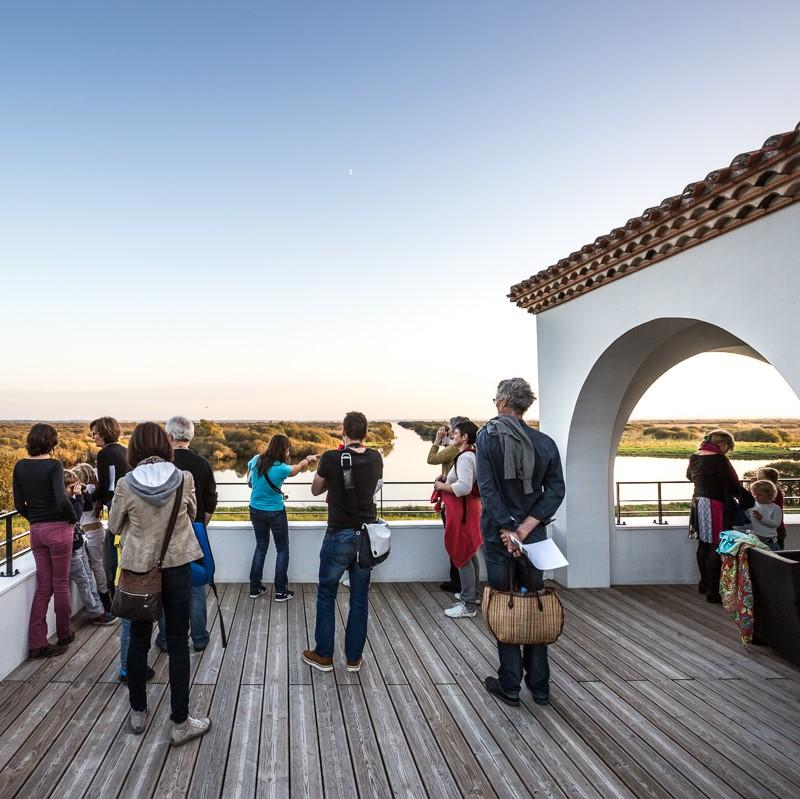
{"x":659,"y":506}
{"x":383,"y":504}
{"x":7,"y":519}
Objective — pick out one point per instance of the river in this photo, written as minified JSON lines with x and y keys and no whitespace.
{"x":406,"y":463}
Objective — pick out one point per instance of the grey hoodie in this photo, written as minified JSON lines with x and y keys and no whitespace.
{"x":157,"y":495}
{"x":519,"y":457}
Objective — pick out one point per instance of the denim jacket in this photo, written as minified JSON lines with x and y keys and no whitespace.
{"x":505,"y":504}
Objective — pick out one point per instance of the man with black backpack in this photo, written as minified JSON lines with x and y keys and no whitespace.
{"x":351,"y":477}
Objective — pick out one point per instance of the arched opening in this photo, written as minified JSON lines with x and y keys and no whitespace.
{"x":613,"y":387}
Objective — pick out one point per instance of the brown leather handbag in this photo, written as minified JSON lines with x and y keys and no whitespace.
{"x":138,"y":594}
{"x":514,"y":617}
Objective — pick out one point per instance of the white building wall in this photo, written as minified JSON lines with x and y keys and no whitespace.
{"x":599,"y":353}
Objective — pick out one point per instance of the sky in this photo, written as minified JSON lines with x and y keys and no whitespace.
{"x":288,"y":210}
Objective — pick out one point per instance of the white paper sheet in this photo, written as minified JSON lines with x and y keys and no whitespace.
{"x":545,"y":555}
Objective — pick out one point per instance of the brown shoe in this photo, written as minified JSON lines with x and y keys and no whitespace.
{"x":48,"y":651}
{"x":317,"y":661}
{"x":66,"y":641}
{"x":354,"y":665}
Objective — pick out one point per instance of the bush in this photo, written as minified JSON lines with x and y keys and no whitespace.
{"x":760,"y":434}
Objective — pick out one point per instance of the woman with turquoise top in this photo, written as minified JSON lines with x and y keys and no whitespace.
{"x":265,"y":476}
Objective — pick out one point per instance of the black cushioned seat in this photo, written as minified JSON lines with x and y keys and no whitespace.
{"x":776,"y":600}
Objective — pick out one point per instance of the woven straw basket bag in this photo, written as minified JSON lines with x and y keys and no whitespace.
{"x":536,"y":617}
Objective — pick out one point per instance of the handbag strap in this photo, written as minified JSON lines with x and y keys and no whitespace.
{"x":176,"y":506}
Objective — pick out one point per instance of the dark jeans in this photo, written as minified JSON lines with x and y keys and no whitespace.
{"x":176,"y":592}
{"x":338,"y":554}
{"x":110,"y":562}
{"x":198,"y":621}
{"x":265,"y":521}
{"x":514,"y":658}
{"x":710,"y":565}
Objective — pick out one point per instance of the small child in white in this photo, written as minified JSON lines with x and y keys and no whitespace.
{"x":765,"y":515}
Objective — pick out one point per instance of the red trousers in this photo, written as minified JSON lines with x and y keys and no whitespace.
{"x":51,"y":543}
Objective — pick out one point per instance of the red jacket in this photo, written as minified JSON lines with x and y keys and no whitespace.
{"x":462,"y":530}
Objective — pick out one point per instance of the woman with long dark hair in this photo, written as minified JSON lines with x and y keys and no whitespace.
{"x":40,"y":497}
{"x":265,"y":476}
{"x":143,"y":505}
{"x":717,"y":492}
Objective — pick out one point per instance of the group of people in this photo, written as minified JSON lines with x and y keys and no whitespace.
{"x":138,"y":485}
{"x":504,"y":479}
{"x":720,"y":502}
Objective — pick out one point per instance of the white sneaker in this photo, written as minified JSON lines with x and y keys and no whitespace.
{"x":138,"y":721}
{"x":188,"y":730}
{"x":460,"y":611}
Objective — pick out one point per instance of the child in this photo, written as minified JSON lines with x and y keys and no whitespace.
{"x":768,"y":473}
{"x":80,"y":572}
{"x":765,"y":515}
{"x":93,"y":532}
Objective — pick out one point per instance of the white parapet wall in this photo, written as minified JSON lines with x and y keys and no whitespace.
{"x":417,"y":552}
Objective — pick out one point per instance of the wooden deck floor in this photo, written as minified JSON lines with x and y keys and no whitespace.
{"x":652,"y":695}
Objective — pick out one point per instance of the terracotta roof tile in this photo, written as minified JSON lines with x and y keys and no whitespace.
{"x":756,"y":183}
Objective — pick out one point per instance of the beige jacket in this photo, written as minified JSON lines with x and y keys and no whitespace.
{"x":142,"y":527}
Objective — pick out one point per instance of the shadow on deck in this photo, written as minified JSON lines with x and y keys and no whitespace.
{"x":652,"y":695}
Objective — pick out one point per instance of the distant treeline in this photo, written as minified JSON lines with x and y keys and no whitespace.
{"x":223,"y":443}
{"x":756,"y":439}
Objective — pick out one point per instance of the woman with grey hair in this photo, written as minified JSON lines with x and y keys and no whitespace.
{"x":179,"y":428}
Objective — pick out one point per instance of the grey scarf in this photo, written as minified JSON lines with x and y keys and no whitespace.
{"x":519,"y":457}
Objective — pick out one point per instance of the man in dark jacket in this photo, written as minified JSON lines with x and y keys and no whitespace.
{"x":180,"y":432}
{"x":522,"y":486}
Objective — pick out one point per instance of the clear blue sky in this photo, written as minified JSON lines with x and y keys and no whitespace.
{"x":287,"y":209}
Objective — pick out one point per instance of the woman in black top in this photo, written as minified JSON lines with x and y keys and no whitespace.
{"x":716,"y":491}
{"x":112,"y":463}
{"x":40,"y":497}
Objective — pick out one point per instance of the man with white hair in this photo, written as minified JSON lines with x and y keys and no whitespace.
{"x":180,"y":432}
{"x":522,"y":485}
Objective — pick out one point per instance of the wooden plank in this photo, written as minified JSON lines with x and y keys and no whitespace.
{"x":176,"y":773}
{"x":59,"y":755}
{"x":273,"y":769}
{"x":242,"y":766}
{"x":466,"y":771}
{"x":90,"y":757}
{"x":705,"y":782}
{"x":503,"y":778}
{"x":724,"y":649}
{"x":401,"y":771}
{"x":370,"y":773}
{"x":210,"y":770}
{"x":604,"y":636}
{"x":84,"y":656}
{"x":256,"y":655}
{"x":299,"y":638}
{"x":211,"y":661}
{"x":434,"y":665}
{"x":304,"y":756}
{"x":14,"y":737}
{"x":382,"y":652}
{"x":530,"y":749}
{"x":109,"y":778}
{"x":695,"y":723}
{"x":431,"y":763}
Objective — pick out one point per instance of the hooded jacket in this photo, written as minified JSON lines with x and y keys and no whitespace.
{"x":140,"y":514}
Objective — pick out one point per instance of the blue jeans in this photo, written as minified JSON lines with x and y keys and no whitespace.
{"x":264,"y":521}
{"x":124,"y":644}
{"x":514,"y":658}
{"x":197,"y":621}
{"x":176,"y":584}
{"x":338,"y":554}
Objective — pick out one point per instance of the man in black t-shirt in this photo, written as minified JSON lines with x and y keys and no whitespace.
{"x":338,"y":554}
